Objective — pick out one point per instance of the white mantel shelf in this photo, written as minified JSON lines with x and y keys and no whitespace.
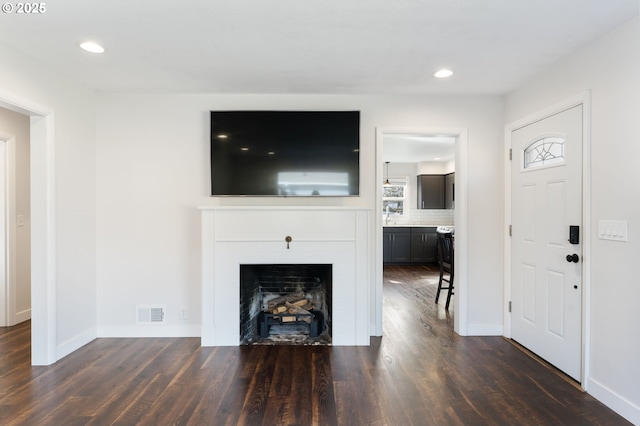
{"x":232,"y":236}
{"x":284,"y":208}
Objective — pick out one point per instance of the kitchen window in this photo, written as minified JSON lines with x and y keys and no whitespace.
{"x":394,"y":196}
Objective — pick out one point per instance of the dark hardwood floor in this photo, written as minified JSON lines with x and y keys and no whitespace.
{"x":419,"y":373}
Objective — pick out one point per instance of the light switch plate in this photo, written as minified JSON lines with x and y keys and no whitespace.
{"x":615,"y":230}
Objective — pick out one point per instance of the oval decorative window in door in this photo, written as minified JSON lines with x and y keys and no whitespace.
{"x":544,"y":152}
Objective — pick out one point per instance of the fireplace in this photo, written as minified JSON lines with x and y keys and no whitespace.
{"x":330,"y":242}
{"x":285,"y":304}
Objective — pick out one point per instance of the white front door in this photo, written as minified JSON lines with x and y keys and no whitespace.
{"x":546,"y":277}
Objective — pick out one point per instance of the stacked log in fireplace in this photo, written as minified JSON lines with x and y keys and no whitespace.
{"x":285,"y":304}
{"x":290,"y":309}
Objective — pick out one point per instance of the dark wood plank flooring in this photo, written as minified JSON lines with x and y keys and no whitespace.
{"x":419,"y":373}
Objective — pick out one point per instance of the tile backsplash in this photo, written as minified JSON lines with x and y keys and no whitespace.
{"x":422,"y":217}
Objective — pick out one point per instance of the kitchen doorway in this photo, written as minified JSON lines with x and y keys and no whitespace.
{"x":400,"y":139}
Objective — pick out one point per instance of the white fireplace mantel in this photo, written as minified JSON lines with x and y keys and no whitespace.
{"x":234,"y":236}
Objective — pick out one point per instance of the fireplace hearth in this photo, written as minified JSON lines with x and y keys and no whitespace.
{"x":285,"y":304}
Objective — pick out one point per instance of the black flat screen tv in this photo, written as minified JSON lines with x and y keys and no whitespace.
{"x":285,"y":153}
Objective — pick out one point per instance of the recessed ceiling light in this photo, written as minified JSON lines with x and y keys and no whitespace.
{"x":443,"y":73}
{"x":222,"y":136}
{"x":244,"y":148}
{"x":92,"y":47}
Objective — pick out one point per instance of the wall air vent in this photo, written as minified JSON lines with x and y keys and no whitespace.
{"x":150,"y":314}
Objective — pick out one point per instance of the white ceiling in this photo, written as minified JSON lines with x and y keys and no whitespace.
{"x":404,"y":148}
{"x":310,"y":46}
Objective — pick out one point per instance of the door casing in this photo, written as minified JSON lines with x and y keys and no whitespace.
{"x":583,"y":99}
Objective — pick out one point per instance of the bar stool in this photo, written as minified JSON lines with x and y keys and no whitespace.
{"x":445,"y":260}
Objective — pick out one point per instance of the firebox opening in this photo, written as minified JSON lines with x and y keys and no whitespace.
{"x":285,"y":304}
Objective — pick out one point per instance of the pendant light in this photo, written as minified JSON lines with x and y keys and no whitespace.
{"x":386,"y":182}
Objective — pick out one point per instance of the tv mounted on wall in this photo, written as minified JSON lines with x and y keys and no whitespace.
{"x":285,"y":153}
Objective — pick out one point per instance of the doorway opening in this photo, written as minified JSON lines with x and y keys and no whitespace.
{"x":400,"y":139}
{"x":42,"y":202}
{"x":15,"y":235}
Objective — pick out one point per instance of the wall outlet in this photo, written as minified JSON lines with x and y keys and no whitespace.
{"x":182,"y":313}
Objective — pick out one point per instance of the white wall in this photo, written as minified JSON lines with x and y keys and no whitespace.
{"x":610,"y":68}
{"x":18,"y":125}
{"x":153,"y":170}
{"x":73,"y":115}
{"x":435,"y":167}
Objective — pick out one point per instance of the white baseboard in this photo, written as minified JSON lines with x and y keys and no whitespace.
{"x":616,"y":402}
{"x":189,"y":330}
{"x":23,"y":316}
{"x":485,"y":330}
{"x":75,"y":343}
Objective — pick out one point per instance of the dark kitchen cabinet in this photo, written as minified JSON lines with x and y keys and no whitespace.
{"x":386,"y":245}
{"x":450,"y":191}
{"x":396,"y":247}
{"x":409,"y":245}
{"x":431,"y":192}
{"x":424,"y":247}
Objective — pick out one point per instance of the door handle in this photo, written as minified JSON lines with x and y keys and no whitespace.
{"x":573,"y":258}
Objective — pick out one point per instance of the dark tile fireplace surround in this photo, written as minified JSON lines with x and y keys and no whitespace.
{"x":260,"y":284}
